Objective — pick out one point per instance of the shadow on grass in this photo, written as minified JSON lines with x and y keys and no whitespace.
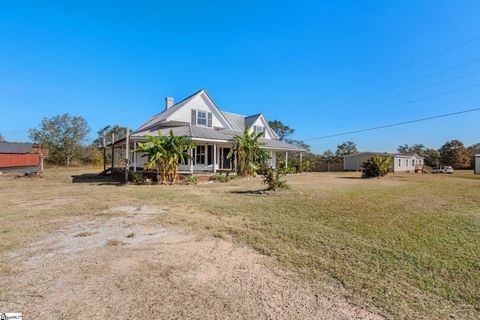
{"x":353,"y":178}
{"x":263,"y":191}
{"x":95,"y":179}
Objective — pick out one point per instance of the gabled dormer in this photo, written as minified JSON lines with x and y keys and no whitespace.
{"x":258,"y":123}
{"x":195,"y":110}
{"x":199,"y":110}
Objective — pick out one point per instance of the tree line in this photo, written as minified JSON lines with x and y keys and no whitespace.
{"x":452,"y":153}
{"x":66,"y":138}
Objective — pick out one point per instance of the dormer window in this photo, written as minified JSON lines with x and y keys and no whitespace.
{"x":258,"y":129}
{"x":201,"y":118}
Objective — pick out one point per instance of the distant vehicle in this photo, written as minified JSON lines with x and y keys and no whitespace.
{"x":442,"y":169}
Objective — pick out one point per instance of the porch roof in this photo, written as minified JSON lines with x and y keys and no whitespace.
{"x":207,"y":134}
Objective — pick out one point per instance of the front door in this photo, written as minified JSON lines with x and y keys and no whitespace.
{"x":225,"y":163}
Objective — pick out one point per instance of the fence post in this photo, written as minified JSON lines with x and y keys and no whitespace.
{"x":127,"y":158}
{"x":113,"y":150}
{"x":104,"y":156}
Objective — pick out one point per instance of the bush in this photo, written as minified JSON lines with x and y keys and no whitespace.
{"x":306,"y":166}
{"x":220,"y":177}
{"x":272,"y":179}
{"x":377,"y":166}
{"x":191,"y":180}
{"x":137,"y":178}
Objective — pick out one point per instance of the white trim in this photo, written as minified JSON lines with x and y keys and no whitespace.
{"x":209,"y":140}
{"x":215,"y":109}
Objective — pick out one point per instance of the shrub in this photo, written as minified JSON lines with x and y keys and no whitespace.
{"x":306,"y":166}
{"x":191,"y":180}
{"x":220,"y":177}
{"x":272,"y":178}
{"x":137,"y":178}
{"x":377,"y":166}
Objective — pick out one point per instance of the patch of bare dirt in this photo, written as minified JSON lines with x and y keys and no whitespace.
{"x":128,"y":268}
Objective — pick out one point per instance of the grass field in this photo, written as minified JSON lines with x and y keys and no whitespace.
{"x":406,"y":246}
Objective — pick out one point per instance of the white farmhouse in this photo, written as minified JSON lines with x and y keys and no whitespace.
{"x":401,"y":162}
{"x":199,"y":119}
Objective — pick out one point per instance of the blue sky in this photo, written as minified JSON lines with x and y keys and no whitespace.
{"x":305,"y":63}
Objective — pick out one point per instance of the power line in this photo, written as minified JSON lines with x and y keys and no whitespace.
{"x":394,"y":124}
{"x":407,"y":83}
{"x":405,"y":66}
{"x":409,"y":91}
{"x":308,"y":125}
{"x":410,"y":101}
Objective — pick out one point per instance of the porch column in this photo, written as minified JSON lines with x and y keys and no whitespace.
{"x":104,"y":156}
{"x":191,"y":161}
{"x":271,"y":159}
{"x":286,"y":159}
{"x":127,"y":155}
{"x":214,"y":158}
{"x":113,"y":150}
{"x":121,"y":156}
{"x":134,"y":155}
{"x":301,"y":158}
{"x":206,"y":156}
{"x":235,"y":162}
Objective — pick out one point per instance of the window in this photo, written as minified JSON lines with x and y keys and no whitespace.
{"x":258,"y":129}
{"x":200,"y":155}
{"x":210,"y":155}
{"x":406,"y":161}
{"x":399,"y":162}
{"x":201,"y":118}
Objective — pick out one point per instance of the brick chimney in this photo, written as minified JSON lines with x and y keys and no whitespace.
{"x":168,"y":102}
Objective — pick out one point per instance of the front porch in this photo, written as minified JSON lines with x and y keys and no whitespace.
{"x":207,"y":158}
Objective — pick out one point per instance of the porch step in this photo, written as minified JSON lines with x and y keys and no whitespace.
{"x":105,"y":172}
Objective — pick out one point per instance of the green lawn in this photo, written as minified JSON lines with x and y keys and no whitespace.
{"x":406,"y":245}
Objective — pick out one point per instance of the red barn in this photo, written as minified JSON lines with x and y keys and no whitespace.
{"x":21,"y":157}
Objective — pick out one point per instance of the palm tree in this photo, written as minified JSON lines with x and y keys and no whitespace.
{"x":165,"y":153}
{"x":248,"y":152}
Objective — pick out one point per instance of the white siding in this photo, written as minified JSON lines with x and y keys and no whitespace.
{"x":354,"y":162}
{"x":141,"y":161}
{"x":261,"y":122}
{"x":184,"y":113}
{"x":404,"y":164}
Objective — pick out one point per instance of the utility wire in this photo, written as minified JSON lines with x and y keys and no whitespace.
{"x":404,"y":92}
{"x":410,"y":101}
{"x":405,"y":66}
{"x":406,"y":83}
{"x":394,"y":124}
{"x":308,"y":125}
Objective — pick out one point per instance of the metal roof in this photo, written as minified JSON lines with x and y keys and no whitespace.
{"x":395,"y":155}
{"x":278,"y":144}
{"x":195,"y":132}
{"x":165,"y":113}
{"x":237,"y":121}
{"x":185,"y":131}
{"x":15,"y":147}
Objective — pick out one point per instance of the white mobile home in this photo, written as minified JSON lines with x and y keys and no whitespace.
{"x":401,"y":162}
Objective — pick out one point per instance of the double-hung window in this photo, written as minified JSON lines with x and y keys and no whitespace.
{"x":258,"y":129}
{"x":200,"y":155}
{"x":201,"y":118}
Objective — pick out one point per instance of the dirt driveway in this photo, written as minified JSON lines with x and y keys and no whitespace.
{"x":127,"y":267}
